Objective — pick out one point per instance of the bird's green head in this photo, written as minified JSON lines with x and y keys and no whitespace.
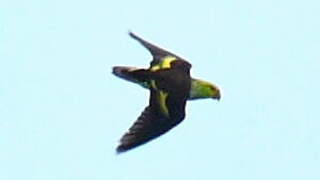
{"x":202,"y":89}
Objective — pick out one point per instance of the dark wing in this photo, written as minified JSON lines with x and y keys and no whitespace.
{"x":152,"y":123}
{"x":157,"y":52}
{"x":147,"y":127}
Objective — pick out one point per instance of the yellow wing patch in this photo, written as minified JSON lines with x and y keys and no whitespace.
{"x":162,"y":99}
{"x":162,"y":102}
{"x":165,"y":63}
{"x":153,"y":84}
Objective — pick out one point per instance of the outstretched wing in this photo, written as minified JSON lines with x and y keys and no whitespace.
{"x":153,"y":122}
{"x":157,"y":52}
{"x":147,"y":127}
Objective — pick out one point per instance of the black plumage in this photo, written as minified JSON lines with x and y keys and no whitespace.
{"x":170,"y":80}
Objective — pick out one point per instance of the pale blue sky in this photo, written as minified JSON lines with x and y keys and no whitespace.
{"x":62,"y":111}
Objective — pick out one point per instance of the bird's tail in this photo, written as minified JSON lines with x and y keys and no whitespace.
{"x":131,"y":74}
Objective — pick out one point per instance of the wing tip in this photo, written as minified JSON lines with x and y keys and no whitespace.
{"x":131,"y":33}
{"x":121,"y":149}
{"x":134,"y":36}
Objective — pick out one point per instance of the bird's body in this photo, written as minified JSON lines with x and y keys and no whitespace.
{"x":170,"y":84}
{"x":200,"y":89}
